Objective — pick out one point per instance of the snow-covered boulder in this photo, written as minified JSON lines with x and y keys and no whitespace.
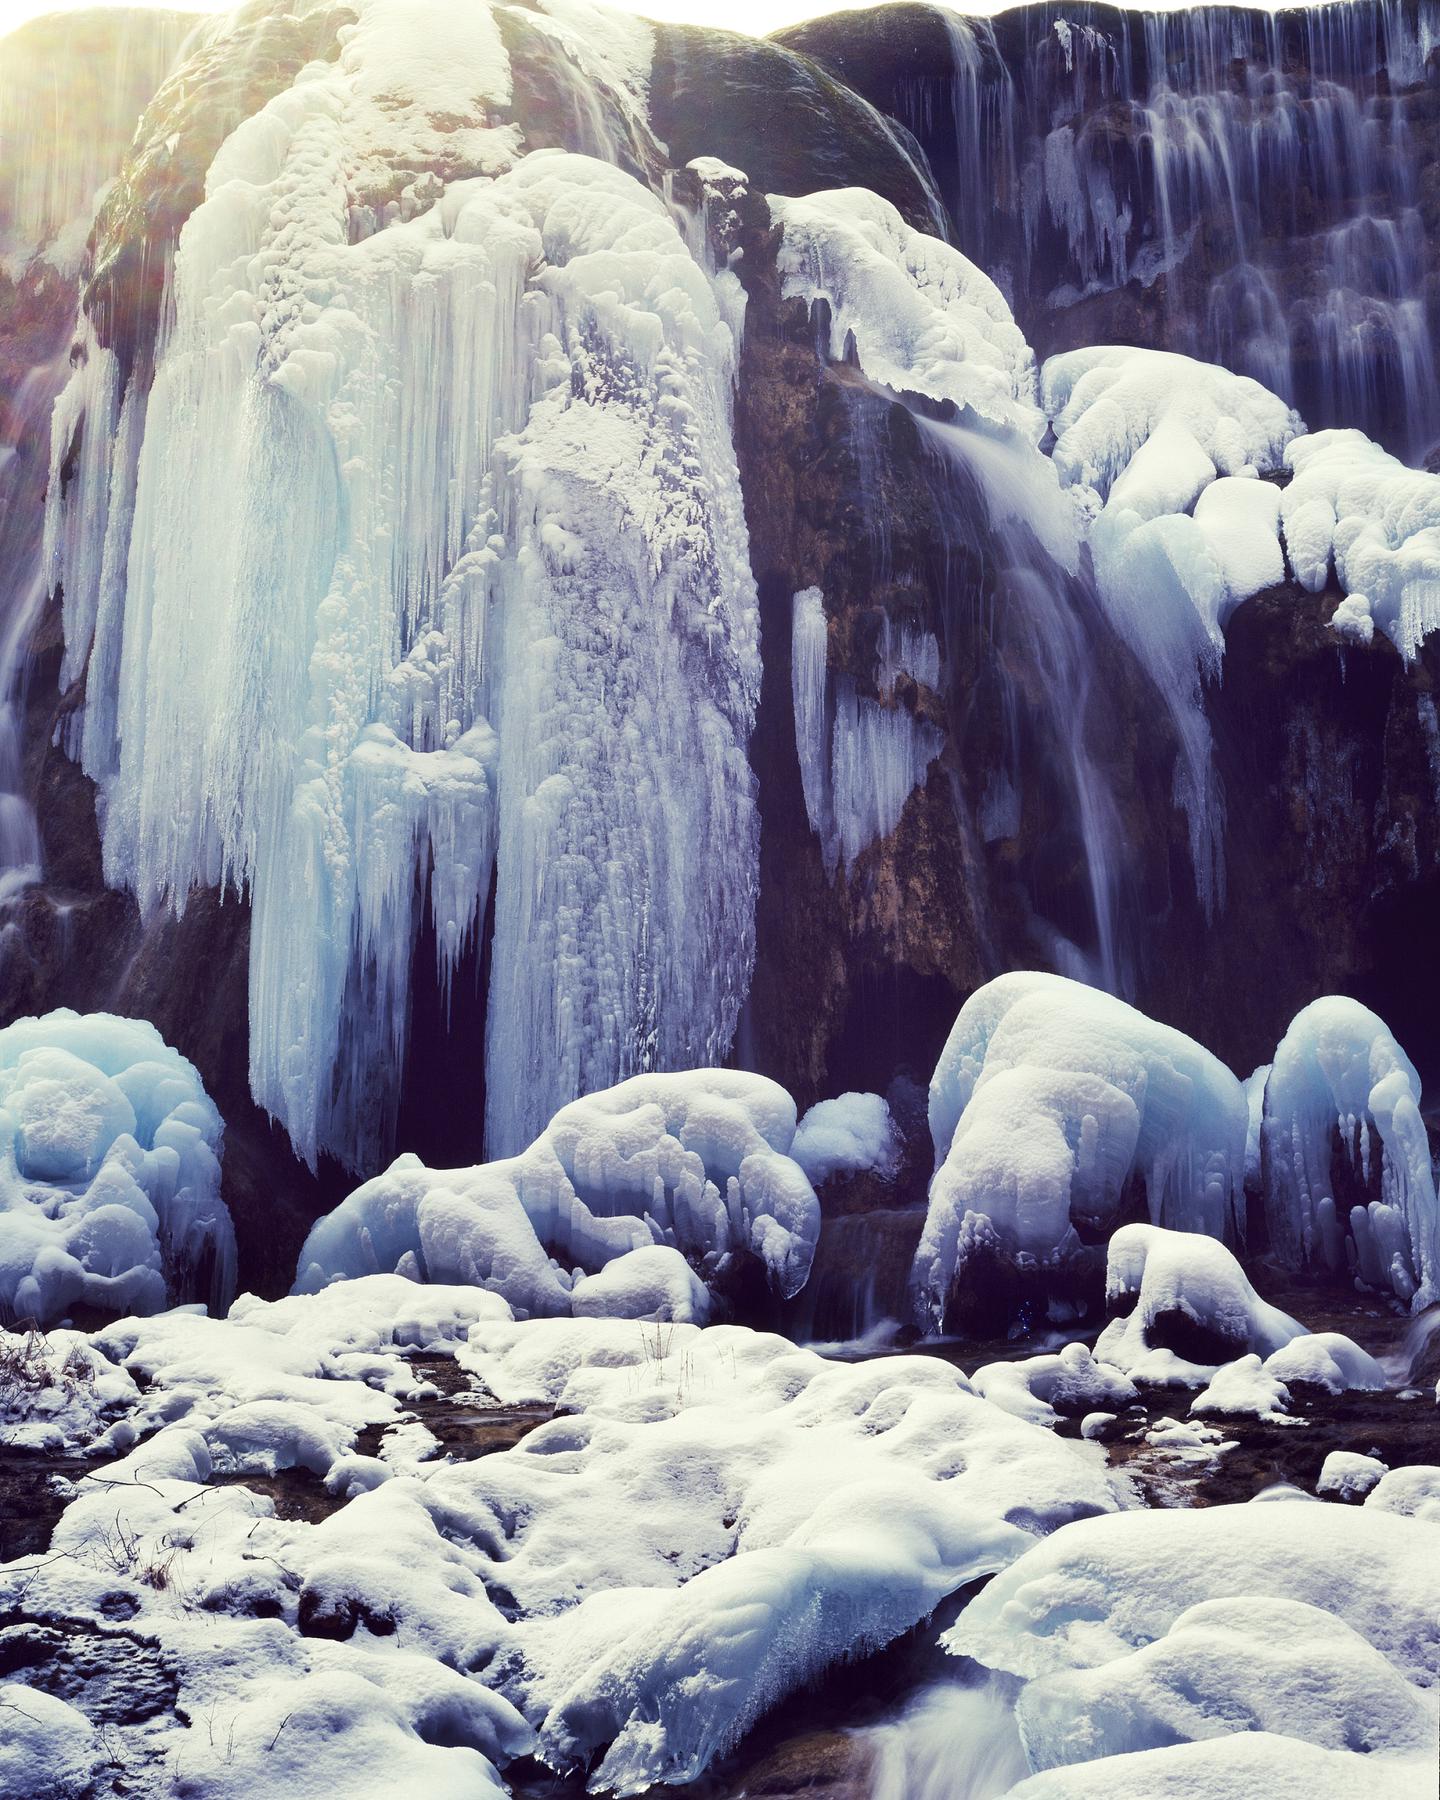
{"x":1250,"y":1762}
{"x":1186,"y":1308}
{"x":1313,"y":1624}
{"x":1244,"y":1386}
{"x":109,"y":1171}
{"x":1349,"y":1475}
{"x":1038,"y":1386}
{"x":696,"y":1162}
{"x":851,"y":1134}
{"x":1326,"y":1359}
{"x":1339,"y":1070}
{"x":1413,"y":1492}
{"x":1048,"y":1100}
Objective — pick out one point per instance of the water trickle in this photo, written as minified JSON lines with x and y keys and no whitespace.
{"x":955,"y":1740}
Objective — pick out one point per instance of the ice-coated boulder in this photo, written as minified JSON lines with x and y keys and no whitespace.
{"x":109,"y":1171}
{"x":1338,"y":1072}
{"x":697,"y":1163}
{"x":1049,"y":1100}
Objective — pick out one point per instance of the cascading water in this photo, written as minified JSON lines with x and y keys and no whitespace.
{"x":955,"y":1740}
{"x":1263,"y":164}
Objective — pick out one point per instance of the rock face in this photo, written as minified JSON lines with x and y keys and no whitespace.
{"x":1044,"y":831}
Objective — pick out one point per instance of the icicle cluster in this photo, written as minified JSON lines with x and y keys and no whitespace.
{"x":425,"y":548}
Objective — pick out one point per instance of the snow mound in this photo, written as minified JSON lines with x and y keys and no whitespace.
{"x":109,"y":1171}
{"x":1412,"y":1492}
{"x":1187,"y":1308}
{"x":1248,"y":1763}
{"x":912,"y":310}
{"x":1097,"y":1590}
{"x":845,"y":1136}
{"x":1327,"y":1359}
{"x":1349,"y":1475}
{"x":1048,"y":1098}
{"x":697,"y":1162}
{"x":1355,"y":511}
{"x":1339,"y":1069}
{"x":1036,"y":1387}
{"x":1236,"y":1664}
{"x":49,"y":1750}
{"x":56,"y":1393}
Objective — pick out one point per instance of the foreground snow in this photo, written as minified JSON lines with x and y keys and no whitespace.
{"x":765,"y":1513}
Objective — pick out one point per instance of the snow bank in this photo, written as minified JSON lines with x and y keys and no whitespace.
{"x":56,"y":1393}
{"x":696,"y":1162}
{"x":109,"y":1171}
{"x":1251,"y":1762}
{"x":916,"y":315}
{"x":1314,"y":1625}
{"x":1355,"y":511}
{"x":442,"y":451}
{"x":1187,"y":1308}
{"x":844,"y":1136}
{"x":49,"y":1750}
{"x":1413,"y":1492}
{"x":1048,"y":1098}
{"x":1339,"y":1069}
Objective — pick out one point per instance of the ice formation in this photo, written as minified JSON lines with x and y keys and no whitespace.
{"x":1048,"y":1099}
{"x":109,"y":1171}
{"x":697,"y":1162}
{"x":1339,"y":1072}
{"x":847,"y":1135}
{"x":861,"y":756}
{"x":1185,"y":1306}
{"x":766,"y":1513}
{"x":1312,"y":1625}
{"x":451,"y":461}
{"x":1162,"y":453}
{"x":1354,"y":509}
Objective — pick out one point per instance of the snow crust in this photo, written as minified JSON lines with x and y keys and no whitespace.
{"x":697,"y":1164}
{"x":1047,"y":1099}
{"x":109,"y":1171}
{"x":443,"y":451}
{"x":1339,"y":1069}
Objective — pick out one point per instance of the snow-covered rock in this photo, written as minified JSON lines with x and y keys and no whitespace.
{"x":1048,"y":1098}
{"x":920,"y":317}
{"x":1036,"y":1387}
{"x":1348,"y":1475}
{"x":1339,"y":1069}
{"x":846,"y":1135}
{"x":1244,"y":1386}
{"x":1313,"y":1625}
{"x":1355,"y":511}
{"x":109,"y":1171}
{"x":56,"y":1392}
{"x":1326,"y":1359}
{"x":698,"y":1162}
{"x":49,"y":1750}
{"x":1188,"y":1309}
{"x":1413,"y":1492}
